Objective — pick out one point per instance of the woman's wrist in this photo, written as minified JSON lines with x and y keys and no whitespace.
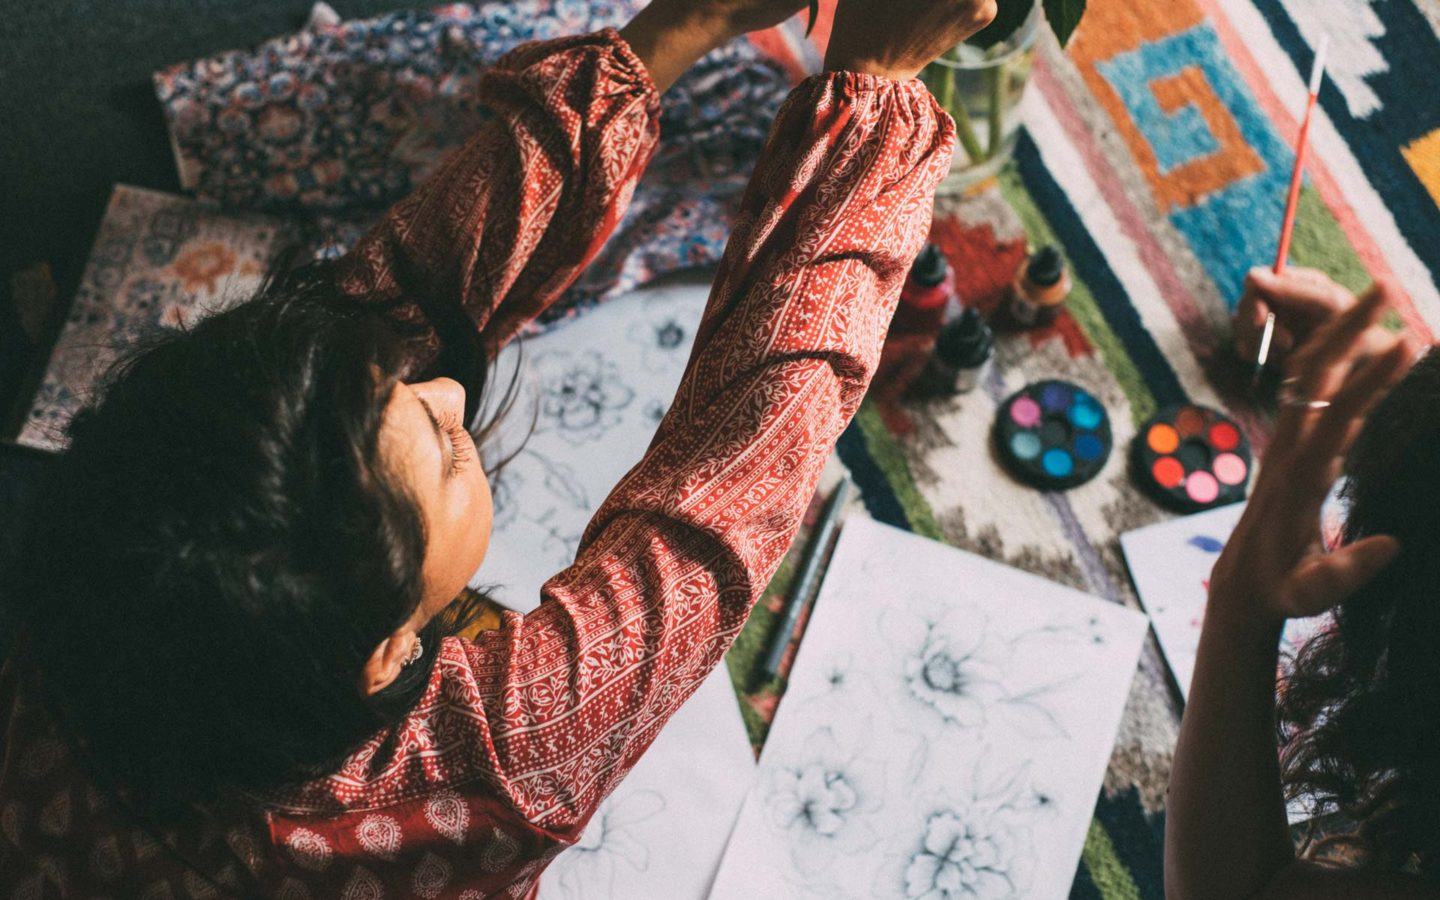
{"x":874,"y":67}
{"x":1240,"y":609}
{"x":670,"y":36}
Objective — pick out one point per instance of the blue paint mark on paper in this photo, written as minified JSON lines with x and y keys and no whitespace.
{"x":1206,"y":543}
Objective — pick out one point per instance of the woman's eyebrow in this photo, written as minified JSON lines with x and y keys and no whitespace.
{"x":445,"y":446}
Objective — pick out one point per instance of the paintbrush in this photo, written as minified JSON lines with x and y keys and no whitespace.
{"x":1292,"y":201}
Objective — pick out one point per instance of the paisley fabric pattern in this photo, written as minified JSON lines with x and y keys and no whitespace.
{"x":521,"y":733}
{"x":333,"y":123}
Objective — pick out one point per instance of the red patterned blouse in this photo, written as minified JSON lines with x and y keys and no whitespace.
{"x":524,"y":731}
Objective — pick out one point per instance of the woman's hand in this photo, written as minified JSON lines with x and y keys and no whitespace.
{"x":1302,"y":300}
{"x":897,"y":38}
{"x":670,"y":35}
{"x":1273,"y":567}
{"x":747,"y":15}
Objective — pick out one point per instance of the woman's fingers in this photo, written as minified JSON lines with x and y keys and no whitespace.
{"x":1250,"y":317}
{"x":1307,"y":294}
{"x":1321,"y":581}
{"x":1338,"y":425}
{"x":1301,"y":299}
{"x":1325,"y":361}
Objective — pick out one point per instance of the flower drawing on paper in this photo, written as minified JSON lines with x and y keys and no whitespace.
{"x":971,"y":676}
{"x":610,"y":844}
{"x":815,"y":798}
{"x":973,"y":848}
{"x":823,"y":798}
{"x":663,"y":336}
{"x":951,"y":666}
{"x":962,"y":854}
{"x":581,"y":396}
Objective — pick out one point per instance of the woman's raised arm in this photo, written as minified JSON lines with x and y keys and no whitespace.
{"x":508,"y":222}
{"x":669,"y":567}
{"x":510,"y":219}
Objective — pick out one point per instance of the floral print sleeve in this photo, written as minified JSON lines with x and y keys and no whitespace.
{"x":510,"y":219}
{"x":520,"y":734}
{"x":670,"y":565}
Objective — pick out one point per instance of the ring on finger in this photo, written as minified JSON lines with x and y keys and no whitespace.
{"x":1288,"y":396}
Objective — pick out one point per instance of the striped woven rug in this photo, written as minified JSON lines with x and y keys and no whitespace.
{"x":1156,"y":153}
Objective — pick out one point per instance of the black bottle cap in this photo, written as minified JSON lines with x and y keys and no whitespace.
{"x":930,"y":267}
{"x":1046,"y":267}
{"x":965,"y":341}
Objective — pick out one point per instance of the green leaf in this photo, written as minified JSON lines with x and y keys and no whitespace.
{"x":1009,"y":15}
{"x":1064,"y":15}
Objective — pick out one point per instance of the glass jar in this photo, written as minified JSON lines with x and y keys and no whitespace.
{"x":982,"y":89}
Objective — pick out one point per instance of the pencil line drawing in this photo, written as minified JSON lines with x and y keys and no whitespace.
{"x":610,"y":845}
{"x":945,"y":717}
{"x":964,"y":672}
{"x":824,"y":797}
{"x":595,"y":390}
{"x":978,"y":846}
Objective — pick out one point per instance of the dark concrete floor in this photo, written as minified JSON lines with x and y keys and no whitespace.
{"x":77,"y":115}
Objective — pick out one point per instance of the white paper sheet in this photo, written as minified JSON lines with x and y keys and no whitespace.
{"x":661,"y":834}
{"x":946,"y":729}
{"x":597,"y":387}
{"x":1170,"y":563}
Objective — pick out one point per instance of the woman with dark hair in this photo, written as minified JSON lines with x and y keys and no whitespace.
{"x":238,"y":670}
{"x":1359,"y":708}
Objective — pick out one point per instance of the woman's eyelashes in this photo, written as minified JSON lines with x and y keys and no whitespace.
{"x":461,"y":447}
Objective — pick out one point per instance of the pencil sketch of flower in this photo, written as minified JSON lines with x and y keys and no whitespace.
{"x":950,"y":666}
{"x":823,"y":799}
{"x":961,"y":854}
{"x":581,"y":395}
{"x":662,"y":334}
{"x":970,"y":676}
{"x":611,"y":843}
{"x":973,"y":848}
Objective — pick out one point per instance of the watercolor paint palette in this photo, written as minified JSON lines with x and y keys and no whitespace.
{"x":1053,"y":435}
{"x":1191,"y":458}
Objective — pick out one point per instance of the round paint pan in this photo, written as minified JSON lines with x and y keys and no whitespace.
{"x":1191,"y":458}
{"x":1052,"y":435}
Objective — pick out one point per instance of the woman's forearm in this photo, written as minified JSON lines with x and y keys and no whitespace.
{"x":1226,"y":832}
{"x":669,"y":37}
{"x":505,"y":225}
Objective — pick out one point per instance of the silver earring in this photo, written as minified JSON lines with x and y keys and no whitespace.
{"x":415,"y":652}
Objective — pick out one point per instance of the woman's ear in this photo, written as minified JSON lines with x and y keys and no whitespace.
{"x":385,"y":663}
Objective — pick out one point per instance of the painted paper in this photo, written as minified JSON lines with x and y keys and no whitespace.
{"x":1170,"y":564}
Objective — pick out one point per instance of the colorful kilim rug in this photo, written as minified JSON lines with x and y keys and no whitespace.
{"x":1156,"y":154}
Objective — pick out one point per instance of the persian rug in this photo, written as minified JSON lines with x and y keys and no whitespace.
{"x":332,"y":124}
{"x":1156,"y":153}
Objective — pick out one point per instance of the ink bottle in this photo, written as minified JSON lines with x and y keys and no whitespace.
{"x":925,"y":296}
{"x":1039,"y":290}
{"x":963,"y":352}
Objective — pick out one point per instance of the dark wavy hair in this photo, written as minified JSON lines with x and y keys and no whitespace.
{"x":1359,"y":708}
{"x":221,"y":547}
